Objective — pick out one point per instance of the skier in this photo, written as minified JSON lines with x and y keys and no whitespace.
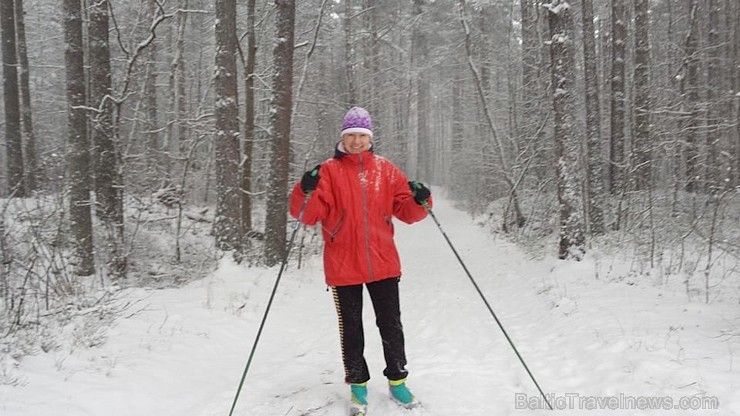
{"x":354,"y":195}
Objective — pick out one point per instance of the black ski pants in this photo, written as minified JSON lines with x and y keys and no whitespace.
{"x":384,"y":296}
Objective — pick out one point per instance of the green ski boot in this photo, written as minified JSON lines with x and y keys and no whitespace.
{"x":358,"y":403}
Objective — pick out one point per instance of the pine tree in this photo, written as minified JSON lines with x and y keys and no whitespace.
{"x":641,"y":148}
{"x":79,"y":157}
{"x":228,"y":205}
{"x":690,"y":92}
{"x":567,"y":136}
{"x":12,"y":102}
{"x":596,"y":197}
{"x":249,"y":118}
{"x":31,"y":162}
{"x":280,"y":121}
{"x":107,"y":185}
{"x":617,"y":138}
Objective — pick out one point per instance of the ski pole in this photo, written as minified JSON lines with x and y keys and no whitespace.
{"x":490,"y":309}
{"x":269,"y":302}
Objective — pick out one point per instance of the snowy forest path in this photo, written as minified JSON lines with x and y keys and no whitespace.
{"x":454,"y":347}
{"x":181,"y":351}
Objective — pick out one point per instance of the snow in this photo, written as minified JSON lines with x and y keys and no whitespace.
{"x":591,"y":343}
{"x":560,"y":38}
{"x":559,"y":7}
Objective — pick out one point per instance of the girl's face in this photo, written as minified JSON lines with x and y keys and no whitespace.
{"x":355,"y":143}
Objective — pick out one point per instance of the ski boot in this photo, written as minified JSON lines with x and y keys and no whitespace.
{"x":401,"y":394}
{"x":358,"y":402}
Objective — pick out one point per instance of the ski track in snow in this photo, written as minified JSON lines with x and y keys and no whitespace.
{"x":184,"y":354}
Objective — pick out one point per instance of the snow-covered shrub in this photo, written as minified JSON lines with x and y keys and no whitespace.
{"x":687,"y":240}
{"x":44,"y":304}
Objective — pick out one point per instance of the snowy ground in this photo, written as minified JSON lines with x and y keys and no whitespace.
{"x":588,"y":343}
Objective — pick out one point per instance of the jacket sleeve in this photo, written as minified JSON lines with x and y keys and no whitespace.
{"x":405,"y":207}
{"x":317,"y":205}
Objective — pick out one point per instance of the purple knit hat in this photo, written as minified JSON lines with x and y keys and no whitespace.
{"x":357,"y":120}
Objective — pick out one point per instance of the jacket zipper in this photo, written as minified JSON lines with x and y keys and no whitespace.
{"x":363,"y":185}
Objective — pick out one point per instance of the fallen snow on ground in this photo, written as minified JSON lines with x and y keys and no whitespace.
{"x":591,"y":344}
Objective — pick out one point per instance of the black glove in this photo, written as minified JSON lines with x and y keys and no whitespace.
{"x":420,"y":192}
{"x":310,"y":180}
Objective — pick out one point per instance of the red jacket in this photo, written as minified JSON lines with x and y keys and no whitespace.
{"x":356,"y":198}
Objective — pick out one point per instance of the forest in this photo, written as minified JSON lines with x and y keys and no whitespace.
{"x":131,"y":129}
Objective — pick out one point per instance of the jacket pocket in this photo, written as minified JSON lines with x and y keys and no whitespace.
{"x":389,"y":222}
{"x":334,"y":231}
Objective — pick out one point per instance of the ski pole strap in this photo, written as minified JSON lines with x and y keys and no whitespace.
{"x":485,"y":301}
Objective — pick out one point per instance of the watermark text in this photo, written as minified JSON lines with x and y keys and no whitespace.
{"x":573,"y":401}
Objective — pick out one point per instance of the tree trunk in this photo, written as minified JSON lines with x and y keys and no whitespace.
{"x":457,"y":179}
{"x":420,"y":53}
{"x":376,"y":82}
{"x":181,"y":126}
{"x":176,"y":125}
{"x":495,"y":140}
{"x":531,"y":90}
{"x":715,"y":132}
{"x":690,"y":85}
{"x":641,"y":147}
{"x":104,"y":152}
{"x":228,"y":205}
{"x":158,"y":160}
{"x":282,"y":99}
{"x":33,"y":176}
{"x":349,"y":54}
{"x":567,"y":137}
{"x":108,"y":182}
{"x":731,"y":67}
{"x":249,"y":117}
{"x":596,"y":197}
{"x":735,"y":140}
{"x":605,"y":51}
{"x":533,"y":87}
{"x":11,"y":102}
{"x":616,"y":148}
{"x":79,"y":157}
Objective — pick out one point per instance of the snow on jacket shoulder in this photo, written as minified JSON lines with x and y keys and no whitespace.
{"x":355,"y":201}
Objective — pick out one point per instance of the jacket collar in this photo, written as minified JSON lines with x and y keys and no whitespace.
{"x":340,"y":153}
